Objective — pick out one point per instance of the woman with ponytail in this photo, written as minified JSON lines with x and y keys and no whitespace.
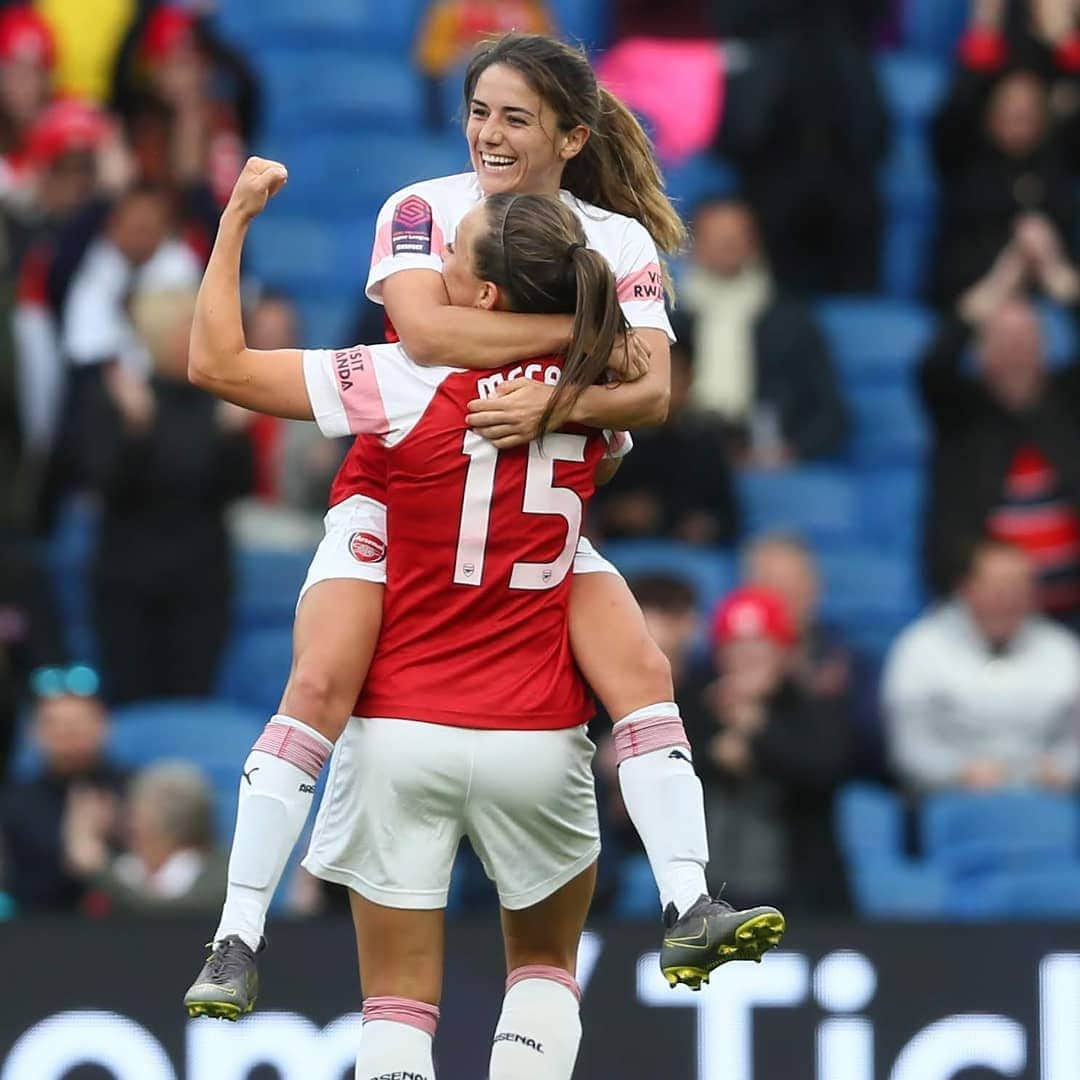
{"x":538,"y":123}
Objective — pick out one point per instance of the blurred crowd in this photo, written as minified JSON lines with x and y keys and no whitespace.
{"x":118,"y":145}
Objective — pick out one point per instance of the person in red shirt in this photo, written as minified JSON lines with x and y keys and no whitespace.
{"x":471,"y":719}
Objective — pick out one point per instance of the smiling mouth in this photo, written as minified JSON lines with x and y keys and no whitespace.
{"x":497,"y":162}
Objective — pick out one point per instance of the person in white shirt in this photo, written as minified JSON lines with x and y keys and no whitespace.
{"x":982,"y":692}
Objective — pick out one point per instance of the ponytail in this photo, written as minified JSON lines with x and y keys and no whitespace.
{"x":535,"y":251}
{"x":598,"y":324}
{"x":617,"y":170}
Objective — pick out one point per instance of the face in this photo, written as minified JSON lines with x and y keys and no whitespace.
{"x":463,"y":286}
{"x":788,"y":571}
{"x":514,"y":140}
{"x":139,"y":226}
{"x":71,"y":731}
{"x":273,"y":325}
{"x":24,"y":89}
{"x":753,"y":667}
{"x":725,"y":239}
{"x":673,"y":631}
{"x":1010,"y":356}
{"x":1017,"y":114}
{"x":1000,"y":593}
{"x":67,"y":183}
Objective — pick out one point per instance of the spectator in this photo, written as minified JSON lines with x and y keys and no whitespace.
{"x":27,"y":56}
{"x":656,"y":492}
{"x":804,"y":122}
{"x":451,"y":28}
{"x":1006,"y":458}
{"x":171,"y":864}
{"x":166,"y":460}
{"x":302,"y":462}
{"x":189,"y":106}
{"x":69,"y":727}
{"x":770,"y":757}
{"x":759,"y":358}
{"x":1002,"y":150}
{"x":983,"y":692}
{"x":821,"y":663}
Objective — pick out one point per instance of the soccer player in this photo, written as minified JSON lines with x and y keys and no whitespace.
{"x":538,"y":122}
{"x":472,"y":717}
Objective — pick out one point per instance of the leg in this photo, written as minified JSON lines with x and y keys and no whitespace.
{"x":401,"y":965}
{"x":334,"y":637}
{"x":539,"y":1030}
{"x":191,"y":638}
{"x":632,"y":678}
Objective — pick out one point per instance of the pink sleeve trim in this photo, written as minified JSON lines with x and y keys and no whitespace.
{"x":636,"y":737}
{"x":399,"y":1010}
{"x":544,"y":971}
{"x":294,"y":746}
{"x":358,"y":389}
{"x":646,"y":284}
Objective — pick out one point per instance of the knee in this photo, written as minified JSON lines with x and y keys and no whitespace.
{"x":319,"y":697}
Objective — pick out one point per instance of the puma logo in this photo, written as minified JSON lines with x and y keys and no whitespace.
{"x":680,"y":755}
{"x":249,"y":774}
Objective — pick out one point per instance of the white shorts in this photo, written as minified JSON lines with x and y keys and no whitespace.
{"x":354,"y":546}
{"x":401,"y":794}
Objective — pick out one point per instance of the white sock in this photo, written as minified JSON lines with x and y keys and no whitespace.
{"x":276,"y":791}
{"x":396,"y":1040}
{"x":665,"y":800}
{"x":539,"y":1031}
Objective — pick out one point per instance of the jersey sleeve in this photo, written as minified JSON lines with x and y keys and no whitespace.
{"x":641,"y":281}
{"x":368,"y":390}
{"x":410,"y":234}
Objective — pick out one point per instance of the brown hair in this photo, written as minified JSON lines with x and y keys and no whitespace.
{"x":535,"y":251}
{"x":616,"y":169}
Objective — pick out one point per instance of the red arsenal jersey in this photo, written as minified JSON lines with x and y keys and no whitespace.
{"x":480,"y":545}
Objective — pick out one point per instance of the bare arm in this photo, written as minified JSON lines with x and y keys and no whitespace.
{"x":436,"y":334}
{"x":512,"y":416}
{"x":218,"y":357}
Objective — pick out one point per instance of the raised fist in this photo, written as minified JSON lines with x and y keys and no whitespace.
{"x":259,"y":182}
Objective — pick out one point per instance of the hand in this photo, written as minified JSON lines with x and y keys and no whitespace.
{"x":1052,"y":20}
{"x":132,"y":396}
{"x":115,"y":162}
{"x":729,"y":750}
{"x":512,"y":416}
{"x":1038,"y":240}
{"x":629,"y":359}
{"x":256,"y":185}
{"x":982,"y":775}
{"x":1004,"y":279}
{"x":89,"y":817}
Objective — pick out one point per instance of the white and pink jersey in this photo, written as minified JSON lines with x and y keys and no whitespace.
{"x":480,"y":545}
{"x":414,"y":226}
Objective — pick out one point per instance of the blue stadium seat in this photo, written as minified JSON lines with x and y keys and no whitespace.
{"x":878,"y":340}
{"x":906,"y":251}
{"x":582,"y":21}
{"x":328,"y":320}
{"x":700,"y":177}
{"x":268,"y":585}
{"x":908,"y":179}
{"x":66,"y":563}
{"x":913,"y":86}
{"x":1059,"y":334}
{"x":710,"y":571}
{"x":359,"y":23}
{"x":975,"y":833}
{"x":900,"y":890}
{"x":869,"y":821}
{"x":355,"y":173}
{"x":816,"y":502}
{"x":255,"y":667}
{"x":339,"y":86}
{"x":934,"y":26}
{"x":312,"y":256}
{"x":864,"y":585}
{"x":891,"y":507}
{"x":1050,"y":891}
{"x":890,"y":427}
{"x":635,"y":894}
